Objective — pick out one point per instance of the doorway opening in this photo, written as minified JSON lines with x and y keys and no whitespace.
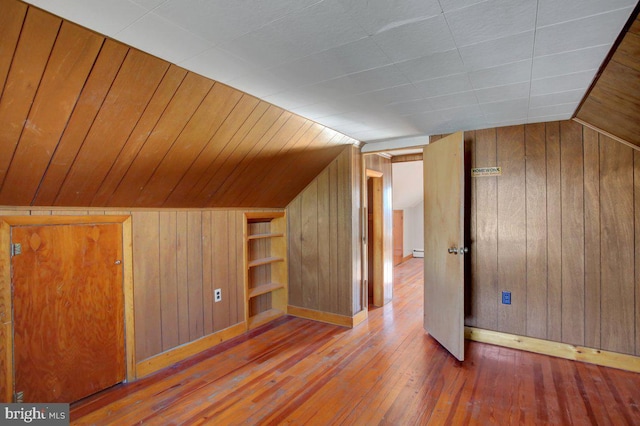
{"x":374,"y":240}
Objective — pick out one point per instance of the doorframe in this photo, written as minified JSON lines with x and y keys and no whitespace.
{"x":378,"y":234}
{"x":6,"y":300}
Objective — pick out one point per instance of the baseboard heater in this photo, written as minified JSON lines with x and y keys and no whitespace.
{"x":418,"y":253}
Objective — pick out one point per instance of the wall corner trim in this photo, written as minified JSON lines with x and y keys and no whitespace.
{"x":360,"y":317}
{"x":556,"y":349}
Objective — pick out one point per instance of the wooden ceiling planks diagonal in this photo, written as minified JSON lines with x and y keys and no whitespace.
{"x":88,"y":121}
{"x":613,"y":103}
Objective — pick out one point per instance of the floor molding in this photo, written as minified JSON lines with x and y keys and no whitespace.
{"x":170,"y":357}
{"x":328,"y":317}
{"x":556,"y":349}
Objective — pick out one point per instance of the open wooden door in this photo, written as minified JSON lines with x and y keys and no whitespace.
{"x":444,"y":242}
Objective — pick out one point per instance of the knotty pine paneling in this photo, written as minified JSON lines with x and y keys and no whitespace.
{"x":559,"y":230}
{"x":322,"y":237}
{"x":89,"y":121}
{"x":179,"y":258}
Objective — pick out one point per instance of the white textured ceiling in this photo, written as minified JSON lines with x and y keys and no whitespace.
{"x":379,"y":69}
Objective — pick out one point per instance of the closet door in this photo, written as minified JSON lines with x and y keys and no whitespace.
{"x":68,"y":311}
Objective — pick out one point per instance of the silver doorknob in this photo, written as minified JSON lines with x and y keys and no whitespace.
{"x":453,"y":250}
{"x":117,"y":262}
{"x":463,"y":250}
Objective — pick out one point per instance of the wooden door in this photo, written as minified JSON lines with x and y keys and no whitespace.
{"x":68,"y":311}
{"x":375,"y":238}
{"x":444,"y":238}
{"x":398,"y":237}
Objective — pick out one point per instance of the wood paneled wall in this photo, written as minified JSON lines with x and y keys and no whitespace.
{"x":613,"y":101}
{"x":179,"y":258}
{"x":560,"y":229}
{"x":384,"y":165}
{"x":187,"y":254}
{"x":89,"y":121}
{"x":324,"y":240}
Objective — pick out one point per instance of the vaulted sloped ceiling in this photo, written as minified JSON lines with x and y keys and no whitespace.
{"x":88,"y":121}
{"x":613,"y":102}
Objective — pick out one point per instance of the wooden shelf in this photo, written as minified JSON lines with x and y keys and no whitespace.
{"x":259,"y":236}
{"x":262,"y":216}
{"x":265,"y":244}
{"x":264,"y":261}
{"x":264,"y":317}
{"x":264,"y":288}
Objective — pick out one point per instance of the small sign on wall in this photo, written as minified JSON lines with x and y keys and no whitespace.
{"x":486,"y":171}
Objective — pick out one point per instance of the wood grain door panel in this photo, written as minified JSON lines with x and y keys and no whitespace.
{"x":444,"y":229}
{"x":68,"y":309}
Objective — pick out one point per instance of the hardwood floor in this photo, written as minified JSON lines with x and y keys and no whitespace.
{"x":385,"y":371}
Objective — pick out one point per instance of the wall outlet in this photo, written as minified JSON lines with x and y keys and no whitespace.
{"x":506,"y":297}
{"x":217,"y":295}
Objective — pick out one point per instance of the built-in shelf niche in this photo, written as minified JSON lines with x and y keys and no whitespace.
{"x":266,"y":267}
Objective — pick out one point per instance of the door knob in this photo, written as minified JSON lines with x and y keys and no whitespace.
{"x":453,"y":250}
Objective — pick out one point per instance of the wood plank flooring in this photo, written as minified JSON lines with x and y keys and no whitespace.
{"x":385,"y":371}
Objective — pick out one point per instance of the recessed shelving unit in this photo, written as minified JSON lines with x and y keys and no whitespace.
{"x":266,"y":267}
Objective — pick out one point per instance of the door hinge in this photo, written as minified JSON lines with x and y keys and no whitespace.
{"x":18,"y":397}
{"x":16,"y":249}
